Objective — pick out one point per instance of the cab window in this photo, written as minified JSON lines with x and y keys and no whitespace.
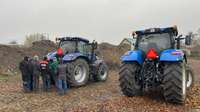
{"x":83,"y":47}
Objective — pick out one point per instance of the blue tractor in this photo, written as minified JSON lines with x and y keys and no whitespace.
{"x":157,"y":61}
{"x":82,"y":62}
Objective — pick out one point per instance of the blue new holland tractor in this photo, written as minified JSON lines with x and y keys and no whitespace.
{"x":82,"y":62}
{"x":157,"y":61}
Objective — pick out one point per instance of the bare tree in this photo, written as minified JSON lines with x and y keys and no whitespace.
{"x":34,"y":37}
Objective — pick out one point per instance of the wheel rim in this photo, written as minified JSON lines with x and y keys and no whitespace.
{"x":103,"y":73}
{"x":184,"y":82}
{"x":189,"y":80}
{"x":80,"y":73}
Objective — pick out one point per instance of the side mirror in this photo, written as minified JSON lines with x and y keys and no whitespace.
{"x":134,"y":35}
{"x":57,"y":42}
{"x":188,"y":40}
{"x":94,"y":45}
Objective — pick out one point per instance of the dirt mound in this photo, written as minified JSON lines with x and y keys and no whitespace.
{"x":111,"y":54}
{"x":195,"y":51}
{"x":11,"y":55}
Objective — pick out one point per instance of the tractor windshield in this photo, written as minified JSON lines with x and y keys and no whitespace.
{"x":159,"y":42}
{"x":68,"y":46}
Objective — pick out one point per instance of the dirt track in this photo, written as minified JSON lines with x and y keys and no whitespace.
{"x":99,"y":97}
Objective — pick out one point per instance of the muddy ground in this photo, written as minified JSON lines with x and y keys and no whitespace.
{"x":97,"y":97}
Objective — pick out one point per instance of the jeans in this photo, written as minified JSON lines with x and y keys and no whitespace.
{"x":35,"y":82}
{"x":61,"y":86}
{"x":46,"y":82}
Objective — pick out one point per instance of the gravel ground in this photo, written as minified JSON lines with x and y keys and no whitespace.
{"x":95,"y":97}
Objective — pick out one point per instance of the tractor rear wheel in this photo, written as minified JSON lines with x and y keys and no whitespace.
{"x":78,"y":73}
{"x":175,"y":82}
{"x":129,"y":82}
{"x":102,"y":73}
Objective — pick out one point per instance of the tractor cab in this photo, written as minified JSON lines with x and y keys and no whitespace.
{"x":74,"y":44}
{"x":77,"y":45}
{"x":158,"y":39}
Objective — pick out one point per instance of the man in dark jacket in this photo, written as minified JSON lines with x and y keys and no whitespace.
{"x":35,"y":73}
{"x":61,"y":77}
{"x":26,"y":76}
{"x":45,"y":72}
{"x":30,"y":70}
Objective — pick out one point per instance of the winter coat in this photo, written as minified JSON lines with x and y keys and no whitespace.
{"x":53,"y":67}
{"x":44,"y":68}
{"x":62,"y":71}
{"x":23,"y":66}
{"x":35,"y":67}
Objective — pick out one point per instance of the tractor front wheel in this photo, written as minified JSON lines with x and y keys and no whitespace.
{"x":78,"y":73}
{"x":129,"y":81}
{"x":190,"y":77}
{"x":102,"y":73}
{"x":174,"y":82}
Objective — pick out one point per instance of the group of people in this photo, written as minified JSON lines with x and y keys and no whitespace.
{"x":53,"y":72}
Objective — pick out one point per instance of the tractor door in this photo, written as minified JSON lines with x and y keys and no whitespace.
{"x":84,"y":48}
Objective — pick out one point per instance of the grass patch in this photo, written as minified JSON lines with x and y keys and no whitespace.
{"x":2,"y":77}
{"x":5,"y":77}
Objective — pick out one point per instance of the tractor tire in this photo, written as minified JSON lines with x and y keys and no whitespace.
{"x":127,"y":78}
{"x":78,"y":73}
{"x":190,"y":77}
{"x":174,"y":82}
{"x":102,"y":73}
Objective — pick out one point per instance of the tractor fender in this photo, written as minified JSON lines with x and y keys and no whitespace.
{"x":132,"y":56}
{"x":172,"y":55}
{"x":98,"y":62}
{"x":74,"y":56}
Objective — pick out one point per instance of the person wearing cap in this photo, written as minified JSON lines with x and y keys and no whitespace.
{"x":61,"y":72}
{"x":26,"y":76}
{"x":45,"y":73}
{"x":36,"y":73}
{"x":61,"y":77}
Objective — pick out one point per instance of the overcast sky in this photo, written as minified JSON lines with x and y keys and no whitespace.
{"x":103,"y":20}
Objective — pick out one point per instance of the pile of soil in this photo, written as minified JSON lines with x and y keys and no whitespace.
{"x":111,"y":54}
{"x":11,"y":55}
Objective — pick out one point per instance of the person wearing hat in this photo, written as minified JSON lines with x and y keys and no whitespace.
{"x":26,"y":76}
{"x":61,"y":77}
{"x":61,"y":72}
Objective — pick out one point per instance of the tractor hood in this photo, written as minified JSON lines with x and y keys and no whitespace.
{"x":71,"y":56}
{"x":67,"y":57}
